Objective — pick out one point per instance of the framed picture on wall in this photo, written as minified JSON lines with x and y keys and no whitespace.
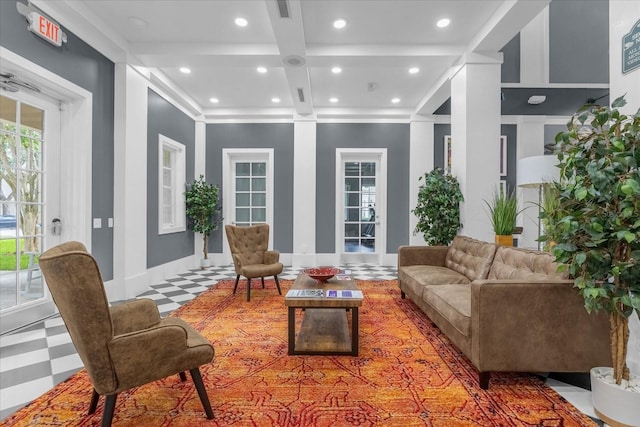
{"x":503,"y":156}
{"x":447,"y":154}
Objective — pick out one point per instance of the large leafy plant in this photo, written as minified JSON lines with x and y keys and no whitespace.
{"x":599,"y":232}
{"x":438,"y":208}
{"x":202,"y":200}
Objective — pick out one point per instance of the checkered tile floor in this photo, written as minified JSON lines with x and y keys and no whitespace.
{"x":36,"y":358}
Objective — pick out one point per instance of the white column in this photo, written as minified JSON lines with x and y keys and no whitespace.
{"x":420,"y":162}
{"x":530,"y":143}
{"x":622,"y":17}
{"x":130,"y":190}
{"x":475,"y":135}
{"x":304,"y":188}
{"x":200,"y":169}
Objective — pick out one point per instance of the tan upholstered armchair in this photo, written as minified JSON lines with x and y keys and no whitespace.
{"x":124,"y":346}
{"x":250,"y":255}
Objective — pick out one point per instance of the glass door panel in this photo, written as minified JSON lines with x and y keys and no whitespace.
{"x":250,"y":192}
{"x":359,"y":207}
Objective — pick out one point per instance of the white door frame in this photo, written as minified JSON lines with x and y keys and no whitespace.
{"x":362,"y":154}
{"x":229,"y":157}
{"x":74,"y":169}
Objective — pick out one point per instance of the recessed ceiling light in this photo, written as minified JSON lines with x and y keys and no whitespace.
{"x":275,"y":100}
{"x":414,"y":70}
{"x":261,"y":70}
{"x":185,"y":70}
{"x":214,"y":100}
{"x":339,"y":23}
{"x":241,"y":22}
{"x":444,"y":22}
{"x":336,"y":70}
{"x":395,"y":100}
{"x":334,"y":100}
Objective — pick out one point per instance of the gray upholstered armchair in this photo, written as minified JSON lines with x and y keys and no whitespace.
{"x":124,"y":346}
{"x":250,"y":255}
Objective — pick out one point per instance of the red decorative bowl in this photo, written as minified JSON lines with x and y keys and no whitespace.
{"x":321,"y":273}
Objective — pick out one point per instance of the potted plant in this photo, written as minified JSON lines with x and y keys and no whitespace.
{"x":438,"y":208}
{"x":202,"y":200}
{"x":503,"y":212}
{"x":599,"y":235}
{"x":550,"y":215}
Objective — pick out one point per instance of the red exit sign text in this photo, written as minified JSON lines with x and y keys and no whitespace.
{"x":45,"y":28}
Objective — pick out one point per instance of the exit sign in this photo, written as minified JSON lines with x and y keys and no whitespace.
{"x":46,"y":28}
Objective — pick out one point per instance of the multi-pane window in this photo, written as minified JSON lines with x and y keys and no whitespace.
{"x":171,"y":189}
{"x":251,"y":193}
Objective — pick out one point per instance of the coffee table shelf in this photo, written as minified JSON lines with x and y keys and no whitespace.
{"x":325,"y":325}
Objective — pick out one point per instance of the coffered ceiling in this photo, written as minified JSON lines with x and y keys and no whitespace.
{"x":380,"y":42}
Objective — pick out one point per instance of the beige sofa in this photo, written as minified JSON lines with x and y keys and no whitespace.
{"x":506,"y":309}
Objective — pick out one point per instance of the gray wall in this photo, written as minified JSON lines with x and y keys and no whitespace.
{"x":163,"y":118}
{"x":550,"y":132}
{"x":510,"y":68}
{"x":510,"y":131}
{"x":393,"y":137}
{"x":278,"y":136}
{"x":579,"y":41}
{"x":77,"y":62}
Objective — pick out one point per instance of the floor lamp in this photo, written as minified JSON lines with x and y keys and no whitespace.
{"x":534,"y":172}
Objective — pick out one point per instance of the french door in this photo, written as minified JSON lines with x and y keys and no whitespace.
{"x":29,"y":194}
{"x":361,"y":203}
{"x":248,"y":188}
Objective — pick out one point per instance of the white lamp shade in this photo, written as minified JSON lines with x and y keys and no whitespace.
{"x":537,"y":170}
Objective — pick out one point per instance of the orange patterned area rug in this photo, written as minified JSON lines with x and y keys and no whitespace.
{"x":407,"y":374}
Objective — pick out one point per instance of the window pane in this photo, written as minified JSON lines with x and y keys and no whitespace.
{"x":368,"y":169}
{"x":242,"y":199}
{"x":259,"y":169}
{"x":32,"y":120}
{"x":352,"y":214}
{"x":259,"y":184}
{"x":166,"y":196}
{"x":369,"y":184}
{"x":31,"y":153}
{"x":353,"y":199}
{"x":8,"y":108}
{"x":167,"y":215}
{"x":242,"y":184}
{"x":166,"y":158}
{"x":259,"y":199}
{"x":242,"y":169}
{"x":242,"y":215}
{"x":166,"y":177}
{"x":259,"y":215}
{"x":351,"y":184}
{"x":351,"y":230}
{"x":351,"y":245}
{"x":351,"y":169}
{"x":31,"y":186}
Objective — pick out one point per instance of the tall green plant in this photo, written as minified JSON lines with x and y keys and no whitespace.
{"x":203,"y":209}
{"x":599,"y":234}
{"x":438,"y":208}
{"x":503,"y":212}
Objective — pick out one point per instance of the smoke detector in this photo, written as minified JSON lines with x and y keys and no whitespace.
{"x":294,"y":61}
{"x":537,"y":99}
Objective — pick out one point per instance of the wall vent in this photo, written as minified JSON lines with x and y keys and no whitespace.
{"x":283,"y":8}
{"x":301,"y":94}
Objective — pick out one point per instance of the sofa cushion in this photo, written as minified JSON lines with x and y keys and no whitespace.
{"x":523,"y":264}
{"x":452,"y":302}
{"x":416,"y":277}
{"x":470,"y":257}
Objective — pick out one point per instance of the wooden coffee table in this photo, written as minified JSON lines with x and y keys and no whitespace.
{"x":325,"y":327}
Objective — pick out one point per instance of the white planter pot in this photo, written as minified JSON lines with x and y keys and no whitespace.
{"x":205,"y":263}
{"x":615,"y":405}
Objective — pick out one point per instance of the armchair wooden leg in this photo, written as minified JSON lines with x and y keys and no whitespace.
{"x":483,"y":378}
{"x":248,"y":289}
{"x":109,"y":408}
{"x":202,"y":392}
{"x":95,"y":397}
{"x":236,"y":286}
{"x":277,"y":284}
{"x":262,"y":280}
{"x":183,"y":376}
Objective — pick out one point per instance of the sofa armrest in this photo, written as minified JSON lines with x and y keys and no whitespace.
{"x":422,"y":255}
{"x":535,"y":326}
